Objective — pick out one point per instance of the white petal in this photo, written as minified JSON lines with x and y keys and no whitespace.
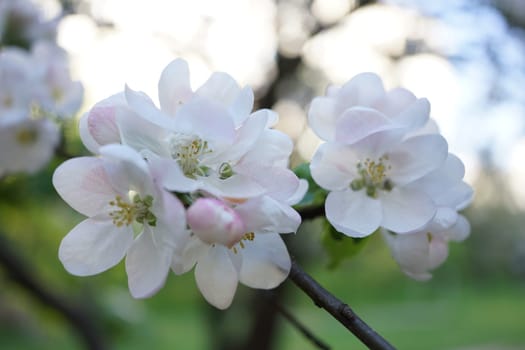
{"x":266,"y":215}
{"x":277,"y":182}
{"x":83,"y":183}
{"x":411,"y":252}
{"x":217,"y":277}
{"x":359,"y":122}
{"x":147,"y":265}
{"x":416,"y":157}
{"x":170,"y":230}
{"x":206,"y":119}
{"x":94,"y":246}
{"x":221,"y":88}
{"x":126,"y":169}
{"x":141,"y":134}
{"x":405,"y":210}
{"x":174,"y":86}
{"x":459,"y":232}
{"x":248,"y":134}
{"x":362,"y":90}
{"x":193,"y":250}
{"x":236,"y":186}
{"x":273,"y":147}
{"x":334,"y":166}
{"x":242,"y":105}
{"x":168,"y":173}
{"x":141,"y":104}
{"x":265,"y":262}
{"x":102,"y":123}
{"x":322,"y":117}
{"x":299,"y":193}
{"x":353,"y":213}
{"x":457,"y":197}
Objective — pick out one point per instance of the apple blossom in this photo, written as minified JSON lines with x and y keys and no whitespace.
{"x":419,"y":252}
{"x":25,"y":144}
{"x":239,"y":243}
{"x":120,"y":198}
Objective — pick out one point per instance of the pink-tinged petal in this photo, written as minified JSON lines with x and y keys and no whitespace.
{"x":438,"y":251}
{"x":459,"y":232}
{"x":242,"y":105}
{"x":147,"y":265}
{"x":94,"y":246}
{"x":214,"y":221}
{"x":266,"y":215}
{"x":141,"y":104}
{"x":206,"y":119}
{"x":193,"y":250}
{"x":217,"y":277}
{"x":102,"y":124}
{"x":405,"y":210}
{"x":416,"y":157}
{"x":404,"y":108}
{"x":265,"y":262}
{"x":84,"y":185}
{"x":236,"y":186}
{"x":221,"y":88}
{"x":353,"y":213}
{"x":334,"y":166}
{"x":85,"y":135}
{"x":141,"y":134}
{"x":358,"y":122}
{"x":174,"y":86}
{"x":322,"y":117}
{"x":362,"y":90}
{"x":168,"y":174}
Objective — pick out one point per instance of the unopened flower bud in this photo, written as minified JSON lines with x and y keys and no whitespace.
{"x":215,"y":222}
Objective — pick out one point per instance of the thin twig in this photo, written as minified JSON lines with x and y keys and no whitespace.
{"x":20,"y":273}
{"x":339,"y":310}
{"x":299,"y":326}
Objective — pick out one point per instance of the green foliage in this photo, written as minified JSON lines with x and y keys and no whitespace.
{"x":339,"y":246}
{"x":315,"y":196}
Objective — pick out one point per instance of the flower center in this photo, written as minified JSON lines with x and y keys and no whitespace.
{"x":250,"y":236}
{"x":372,"y":176}
{"x":138,"y":210}
{"x":188,"y":151}
{"x":27,"y":136}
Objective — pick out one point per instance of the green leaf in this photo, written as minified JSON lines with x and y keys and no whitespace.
{"x":315,"y":196}
{"x":339,"y":246}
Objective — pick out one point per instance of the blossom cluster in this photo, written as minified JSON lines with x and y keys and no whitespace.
{"x":37,"y":91}
{"x":387,"y":168}
{"x":198,"y":181}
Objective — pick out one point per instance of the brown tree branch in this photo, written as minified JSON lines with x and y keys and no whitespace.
{"x":339,"y":310}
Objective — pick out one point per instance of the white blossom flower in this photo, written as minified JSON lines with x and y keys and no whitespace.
{"x":207,"y":140}
{"x":372,"y":182}
{"x":120,"y":198}
{"x":420,"y":252}
{"x":238,"y":243}
{"x":26,"y":145}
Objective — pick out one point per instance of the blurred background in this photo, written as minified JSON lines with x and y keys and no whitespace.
{"x":466,"y":56}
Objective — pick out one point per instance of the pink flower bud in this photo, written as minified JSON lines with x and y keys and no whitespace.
{"x":215,"y":222}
